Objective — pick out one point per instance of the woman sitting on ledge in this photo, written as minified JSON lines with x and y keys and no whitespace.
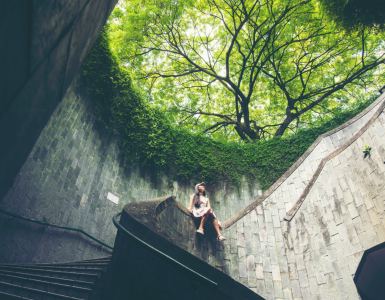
{"x":200,"y":208}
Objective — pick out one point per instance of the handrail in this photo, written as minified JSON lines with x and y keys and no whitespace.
{"x":57,"y":226}
{"x":117,"y":225}
{"x":159,"y":253}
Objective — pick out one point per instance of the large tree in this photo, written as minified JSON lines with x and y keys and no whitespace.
{"x":258,"y":66}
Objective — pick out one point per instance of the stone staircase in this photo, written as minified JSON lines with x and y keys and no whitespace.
{"x":72,"y":280}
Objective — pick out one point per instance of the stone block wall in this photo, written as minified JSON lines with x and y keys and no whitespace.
{"x":74,"y":177}
{"x":43,"y":45}
{"x":314,"y":255}
{"x":69,"y":176}
{"x":177,"y":224}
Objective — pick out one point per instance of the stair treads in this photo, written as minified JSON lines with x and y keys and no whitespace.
{"x":51,"y":271}
{"x":6,"y":296}
{"x":38,"y":267}
{"x":71,"y":282}
{"x":76,"y":280}
{"x":86,"y":265}
{"x":107,"y":258}
{"x":45,"y":282}
{"x":6,"y":284}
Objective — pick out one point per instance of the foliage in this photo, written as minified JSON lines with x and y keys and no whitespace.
{"x":354,"y":15}
{"x":147,"y":136}
{"x":262,"y":67}
{"x":366,"y":151}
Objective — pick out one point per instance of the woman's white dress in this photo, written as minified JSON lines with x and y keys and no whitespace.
{"x":200,"y":211}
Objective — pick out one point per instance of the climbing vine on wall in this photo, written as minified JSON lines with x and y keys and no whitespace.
{"x":146,"y":136}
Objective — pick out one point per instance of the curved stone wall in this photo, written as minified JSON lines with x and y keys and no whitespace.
{"x":74,"y":177}
{"x":43,"y":45}
{"x":316,"y":254}
{"x":292,"y":184}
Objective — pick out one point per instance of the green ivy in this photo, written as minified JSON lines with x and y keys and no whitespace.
{"x":147,"y":136}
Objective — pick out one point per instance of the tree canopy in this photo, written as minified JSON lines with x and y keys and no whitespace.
{"x":147,"y":138}
{"x":261,"y":67}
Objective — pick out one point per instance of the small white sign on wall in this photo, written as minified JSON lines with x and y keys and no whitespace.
{"x":113,"y":198}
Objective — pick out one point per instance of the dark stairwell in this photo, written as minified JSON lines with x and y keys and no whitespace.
{"x":72,"y":280}
{"x":148,"y":262}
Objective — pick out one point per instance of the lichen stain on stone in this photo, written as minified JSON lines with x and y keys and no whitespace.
{"x":322,"y":225}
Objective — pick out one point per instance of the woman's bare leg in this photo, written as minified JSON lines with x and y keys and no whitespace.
{"x":203,"y":220}
{"x":216,"y":226}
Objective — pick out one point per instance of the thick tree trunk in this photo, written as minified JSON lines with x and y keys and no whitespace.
{"x":240,"y":132}
{"x":246,"y":133}
{"x":252,"y":134}
{"x":282,"y":128}
{"x":245,"y":127}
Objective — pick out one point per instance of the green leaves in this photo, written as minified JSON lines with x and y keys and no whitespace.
{"x":148,"y":137}
{"x":210,"y":65}
{"x":366,"y":151}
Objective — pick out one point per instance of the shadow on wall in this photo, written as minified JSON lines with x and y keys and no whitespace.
{"x":75,"y":165}
{"x":26,"y":242}
{"x":46,"y":42}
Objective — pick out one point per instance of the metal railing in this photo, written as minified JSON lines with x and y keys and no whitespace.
{"x":56,"y":226}
{"x":124,"y":230}
{"x":161,"y":254}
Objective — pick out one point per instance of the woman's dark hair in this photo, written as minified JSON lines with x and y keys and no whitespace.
{"x":196,"y":200}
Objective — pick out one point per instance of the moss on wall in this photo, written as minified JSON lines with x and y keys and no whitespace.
{"x":147,"y":137}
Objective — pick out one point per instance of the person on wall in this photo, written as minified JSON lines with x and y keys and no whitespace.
{"x":200,"y":208}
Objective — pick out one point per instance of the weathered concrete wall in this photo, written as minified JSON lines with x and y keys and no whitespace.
{"x":315,"y":255}
{"x":68,"y":175}
{"x":43,"y":45}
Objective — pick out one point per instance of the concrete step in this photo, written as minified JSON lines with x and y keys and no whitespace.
{"x":6,"y":296}
{"x":97,"y":291}
{"x":74,"y":280}
{"x":87,"y":277}
{"x":33,"y":293}
{"x":73,"y":269}
{"x":58,"y":288}
{"x":107,"y":258}
{"x":75,"y":265}
{"x":71,"y":282}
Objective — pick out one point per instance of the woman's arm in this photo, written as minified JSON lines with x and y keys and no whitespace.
{"x":191,"y":202}
{"x":208,"y":203}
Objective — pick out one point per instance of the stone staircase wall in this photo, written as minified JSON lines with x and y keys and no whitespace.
{"x":46,"y":43}
{"x":314,"y":255}
{"x":69,"y":280}
{"x":139,"y":271}
{"x":66,"y":180}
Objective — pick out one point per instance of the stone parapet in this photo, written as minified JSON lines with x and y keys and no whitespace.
{"x":137,"y":272}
